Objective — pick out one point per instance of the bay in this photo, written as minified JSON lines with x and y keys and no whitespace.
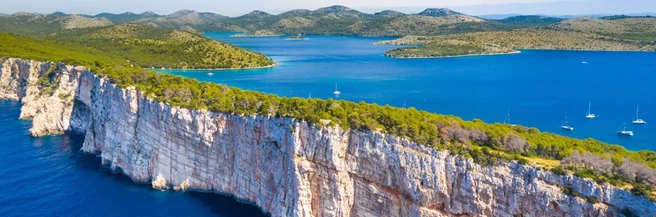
{"x":539,"y":87}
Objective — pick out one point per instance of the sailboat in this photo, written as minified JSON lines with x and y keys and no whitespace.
{"x":336,"y":91}
{"x":636,"y":119}
{"x":565,"y":126}
{"x":507,"y":119}
{"x":622,"y":131}
{"x":590,"y":115}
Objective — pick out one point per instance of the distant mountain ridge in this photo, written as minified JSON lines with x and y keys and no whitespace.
{"x":438,"y":12}
{"x":503,"y":16}
{"x":33,"y":23}
{"x":332,"y":20}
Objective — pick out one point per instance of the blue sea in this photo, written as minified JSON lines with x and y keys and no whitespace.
{"x":48,"y":176}
{"x":539,"y":87}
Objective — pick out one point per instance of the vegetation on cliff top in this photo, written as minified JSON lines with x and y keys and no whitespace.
{"x":485,"y":143}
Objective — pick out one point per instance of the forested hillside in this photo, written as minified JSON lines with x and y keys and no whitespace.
{"x":156,"y":47}
{"x":333,"y":20}
{"x":631,"y":34}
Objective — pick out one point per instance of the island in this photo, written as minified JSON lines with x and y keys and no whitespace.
{"x":298,"y":37}
{"x":258,"y":33}
{"x":616,"y":34}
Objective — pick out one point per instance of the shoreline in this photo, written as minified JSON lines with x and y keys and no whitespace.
{"x":456,"y":56}
{"x":519,"y":51}
{"x":557,"y":49}
{"x":220,"y":69}
{"x":254,"y":36}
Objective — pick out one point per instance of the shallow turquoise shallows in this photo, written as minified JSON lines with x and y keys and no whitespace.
{"x":538,"y":87}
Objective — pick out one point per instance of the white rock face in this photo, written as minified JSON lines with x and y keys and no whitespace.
{"x":288,"y":167}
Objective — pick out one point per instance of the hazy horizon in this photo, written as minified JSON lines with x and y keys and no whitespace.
{"x":472,"y":7}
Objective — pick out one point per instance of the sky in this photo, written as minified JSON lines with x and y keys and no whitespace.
{"x":240,"y":7}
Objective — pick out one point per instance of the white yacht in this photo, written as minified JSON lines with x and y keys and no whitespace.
{"x":636,"y":119}
{"x":210,"y":74}
{"x":336,"y":91}
{"x":590,"y":115}
{"x":622,"y":131}
{"x":565,"y":126}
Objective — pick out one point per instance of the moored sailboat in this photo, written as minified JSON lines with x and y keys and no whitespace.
{"x":336,"y":91}
{"x":565,"y":126}
{"x":623,"y":132}
{"x":636,"y":119}
{"x":507,"y":119}
{"x":590,"y":115}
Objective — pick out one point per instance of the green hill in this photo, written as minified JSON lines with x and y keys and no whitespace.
{"x":39,"y":24}
{"x":155,"y":47}
{"x":126,"y":17}
{"x":333,"y":20}
{"x":630,"y":28}
{"x":631,"y":34}
{"x":530,"y":21}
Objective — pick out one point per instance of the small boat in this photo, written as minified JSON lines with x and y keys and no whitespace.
{"x":590,"y":115}
{"x":584,"y":62}
{"x":623,"y":132}
{"x":336,"y":91}
{"x":210,"y":74}
{"x":565,"y":126}
{"x":636,"y":119}
{"x":298,"y":37}
{"x":507,"y":119}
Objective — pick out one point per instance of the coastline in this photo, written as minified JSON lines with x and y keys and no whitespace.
{"x":519,"y":51}
{"x":219,"y":69}
{"x":455,"y":56}
{"x":175,"y":142}
{"x":556,"y":49}
{"x":253,"y":36}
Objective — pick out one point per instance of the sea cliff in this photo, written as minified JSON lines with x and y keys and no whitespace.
{"x":288,"y":167}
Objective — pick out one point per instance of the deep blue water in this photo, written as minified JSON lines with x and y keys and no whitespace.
{"x":48,"y":176}
{"x":539,"y":87}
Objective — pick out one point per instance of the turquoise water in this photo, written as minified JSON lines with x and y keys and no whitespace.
{"x":539,"y":87}
{"x":48,"y":176}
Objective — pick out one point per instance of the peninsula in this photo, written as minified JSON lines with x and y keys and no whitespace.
{"x":612,"y":34}
{"x":259,"y":33}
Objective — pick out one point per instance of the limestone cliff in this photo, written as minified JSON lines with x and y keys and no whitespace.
{"x":287,"y":167}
